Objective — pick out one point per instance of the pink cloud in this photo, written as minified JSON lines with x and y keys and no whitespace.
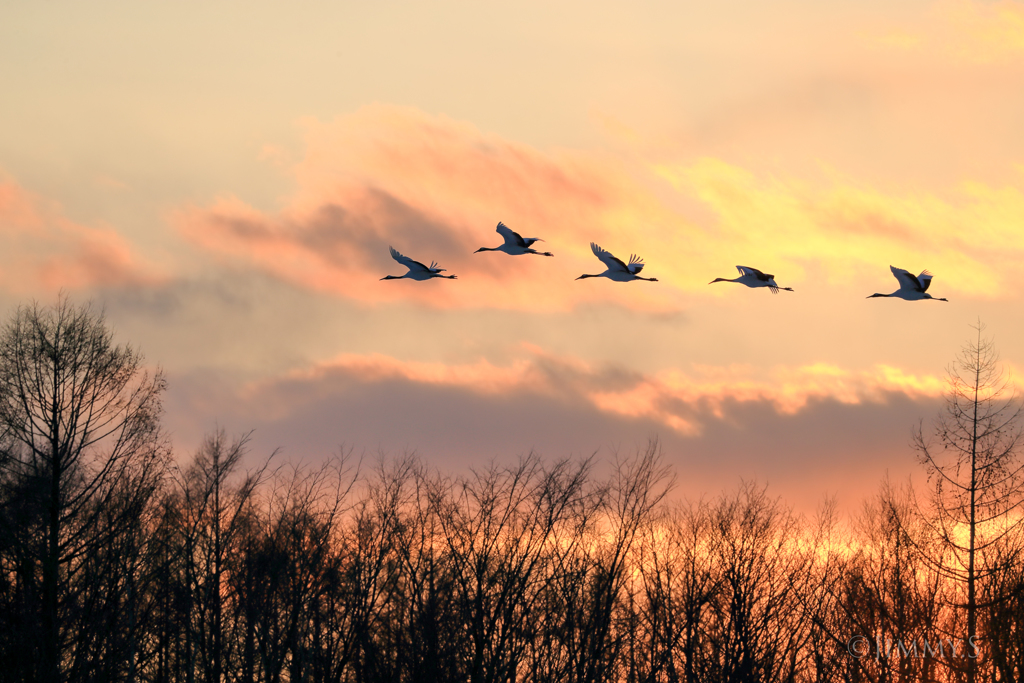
{"x":42,"y":249}
{"x":435,"y":189}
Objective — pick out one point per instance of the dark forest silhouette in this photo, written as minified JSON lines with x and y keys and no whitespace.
{"x":117,"y":564}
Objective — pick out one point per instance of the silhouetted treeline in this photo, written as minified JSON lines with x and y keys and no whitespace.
{"x":120,"y":562}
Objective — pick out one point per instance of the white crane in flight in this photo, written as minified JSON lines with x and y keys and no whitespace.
{"x":515,"y":244}
{"x":752,"y":277}
{"x":912,"y":288}
{"x":417,"y":271}
{"x":616,"y":269}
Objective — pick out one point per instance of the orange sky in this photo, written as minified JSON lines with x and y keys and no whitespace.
{"x":226,"y":178}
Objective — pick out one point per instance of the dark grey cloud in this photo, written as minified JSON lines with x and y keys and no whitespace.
{"x":828,"y":448}
{"x":381,"y":220}
{"x":359,"y":232}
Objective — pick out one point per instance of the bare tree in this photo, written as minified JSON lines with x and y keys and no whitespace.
{"x":972,"y":460}
{"x":426,"y":631}
{"x":288,"y":576}
{"x":587,"y":617}
{"x":828,"y":555}
{"x":1001,"y":620}
{"x":215,"y":513}
{"x":503,"y":529}
{"x":756,"y":628}
{"x":83,"y":451}
{"x":893,"y":597}
{"x":679,"y":580}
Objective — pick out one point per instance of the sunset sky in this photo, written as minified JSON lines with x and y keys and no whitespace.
{"x":225,"y":179}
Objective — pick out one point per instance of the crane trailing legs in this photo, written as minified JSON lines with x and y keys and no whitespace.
{"x":912,"y":288}
{"x":515,"y":244}
{"x":616,"y":270}
{"x":417,"y":271}
{"x":752,"y":277}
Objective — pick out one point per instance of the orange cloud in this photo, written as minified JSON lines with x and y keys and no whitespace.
{"x":40,"y":248}
{"x":679,"y":400}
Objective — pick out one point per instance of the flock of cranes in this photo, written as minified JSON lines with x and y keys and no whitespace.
{"x":912,"y":288}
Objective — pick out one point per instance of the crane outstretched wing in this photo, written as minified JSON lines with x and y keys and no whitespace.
{"x":510,"y":236}
{"x":406,"y":261}
{"x":747,"y":270}
{"x":906,"y":279}
{"x":635,"y":264}
{"x":608,"y":260}
{"x":925,"y":278}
